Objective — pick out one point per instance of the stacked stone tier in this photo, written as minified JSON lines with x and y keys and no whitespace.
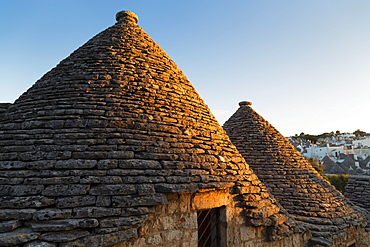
{"x":290,"y":178}
{"x":97,"y":142}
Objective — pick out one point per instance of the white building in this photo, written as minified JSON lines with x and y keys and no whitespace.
{"x":362,"y":142}
{"x":319,"y":152}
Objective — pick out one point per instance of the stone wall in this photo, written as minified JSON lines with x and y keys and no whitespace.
{"x":175,"y":224}
{"x":4,"y":107}
{"x":358,"y":191}
{"x":353,"y":237}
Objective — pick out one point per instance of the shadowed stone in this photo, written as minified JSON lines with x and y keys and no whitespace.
{"x":25,"y":202}
{"x":18,"y":236}
{"x":65,"y":236}
{"x":8,"y":226}
{"x":47,"y":214}
{"x":40,"y":244}
{"x":21,"y":214}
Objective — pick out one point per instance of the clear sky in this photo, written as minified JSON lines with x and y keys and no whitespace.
{"x":305,"y":65}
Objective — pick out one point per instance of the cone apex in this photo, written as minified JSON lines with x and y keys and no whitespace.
{"x":128,"y":16}
{"x":245,"y":103}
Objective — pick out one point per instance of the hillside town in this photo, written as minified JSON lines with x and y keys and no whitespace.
{"x":338,"y":153}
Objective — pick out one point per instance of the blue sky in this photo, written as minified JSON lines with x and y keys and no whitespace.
{"x":305,"y":65}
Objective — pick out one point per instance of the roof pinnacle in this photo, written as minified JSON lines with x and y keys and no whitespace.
{"x":245,"y":103}
{"x":127,"y":16}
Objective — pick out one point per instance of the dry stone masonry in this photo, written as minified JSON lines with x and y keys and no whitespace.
{"x":305,"y":195}
{"x":96,"y":146}
{"x":358,"y":190}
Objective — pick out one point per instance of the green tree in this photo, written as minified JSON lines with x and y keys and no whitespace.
{"x":315,"y":138}
{"x":339,"y":181}
{"x":312,"y":138}
{"x":320,"y":168}
{"x":359,"y":132}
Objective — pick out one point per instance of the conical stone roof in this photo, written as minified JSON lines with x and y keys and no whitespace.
{"x":97,"y":141}
{"x":295,"y":184}
{"x":331,"y":167}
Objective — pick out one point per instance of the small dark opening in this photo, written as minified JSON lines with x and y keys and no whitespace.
{"x":209,"y":228}
{"x":352,"y":245}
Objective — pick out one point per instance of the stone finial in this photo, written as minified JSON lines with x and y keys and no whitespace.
{"x":245,"y":103}
{"x":127,"y":16}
